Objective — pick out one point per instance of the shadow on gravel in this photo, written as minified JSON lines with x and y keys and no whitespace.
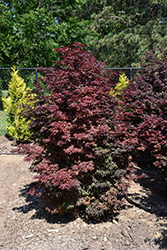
{"x":154,"y":197}
{"x":162,"y":240}
{"x":42,"y":213}
{"x":9,"y":137}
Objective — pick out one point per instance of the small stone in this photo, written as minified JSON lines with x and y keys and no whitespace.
{"x":127,"y":242}
{"x":108,"y":225}
{"x":115,"y":221}
{"x":53,"y":230}
{"x":124,"y":233}
{"x":105,"y":238}
{"x":29,"y":236}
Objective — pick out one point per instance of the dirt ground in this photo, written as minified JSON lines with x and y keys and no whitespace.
{"x":24,"y":224}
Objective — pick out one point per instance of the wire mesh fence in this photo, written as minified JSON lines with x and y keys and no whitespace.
{"x":30,"y":75}
{"x":129,"y":72}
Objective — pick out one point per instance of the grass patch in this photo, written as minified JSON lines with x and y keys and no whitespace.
{"x":3,"y":119}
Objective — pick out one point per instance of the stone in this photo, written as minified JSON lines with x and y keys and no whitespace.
{"x":53,"y":230}
{"x":29,"y":236}
{"x":105,"y":239}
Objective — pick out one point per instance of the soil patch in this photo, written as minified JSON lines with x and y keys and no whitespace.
{"x":24,"y":224}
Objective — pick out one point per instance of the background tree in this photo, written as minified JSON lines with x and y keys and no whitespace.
{"x":29,"y":32}
{"x":126,"y":29}
{"x":118,"y":32}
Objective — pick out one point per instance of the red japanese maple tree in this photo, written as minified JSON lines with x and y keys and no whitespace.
{"x":78,"y":154}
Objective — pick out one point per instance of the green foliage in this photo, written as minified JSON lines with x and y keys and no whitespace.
{"x":17,"y":125}
{"x":120,"y":86}
{"x":126,"y":29}
{"x":118,"y":32}
{"x":30,"y":31}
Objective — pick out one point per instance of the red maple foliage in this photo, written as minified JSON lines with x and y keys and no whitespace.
{"x":79,"y":155}
{"x":144,"y":111}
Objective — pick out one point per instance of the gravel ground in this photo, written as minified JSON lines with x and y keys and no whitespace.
{"x":24,"y":224}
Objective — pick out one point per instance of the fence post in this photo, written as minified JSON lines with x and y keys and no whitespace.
{"x":36,"y":75}
{"x":131,"y":73}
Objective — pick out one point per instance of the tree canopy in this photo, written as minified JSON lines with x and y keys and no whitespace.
{"x":126,"y":29}
{"x":30,"y":31}
{"x":118,"y":32}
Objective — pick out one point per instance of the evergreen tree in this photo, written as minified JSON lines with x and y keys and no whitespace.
{"x":126,"y":29}
{"x":17,"y":125}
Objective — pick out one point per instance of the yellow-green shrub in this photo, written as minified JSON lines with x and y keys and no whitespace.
{"x":19,"y":95}
{"x":120,"y":86}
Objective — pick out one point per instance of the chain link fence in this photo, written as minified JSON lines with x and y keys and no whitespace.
{"x":30,"y":75}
